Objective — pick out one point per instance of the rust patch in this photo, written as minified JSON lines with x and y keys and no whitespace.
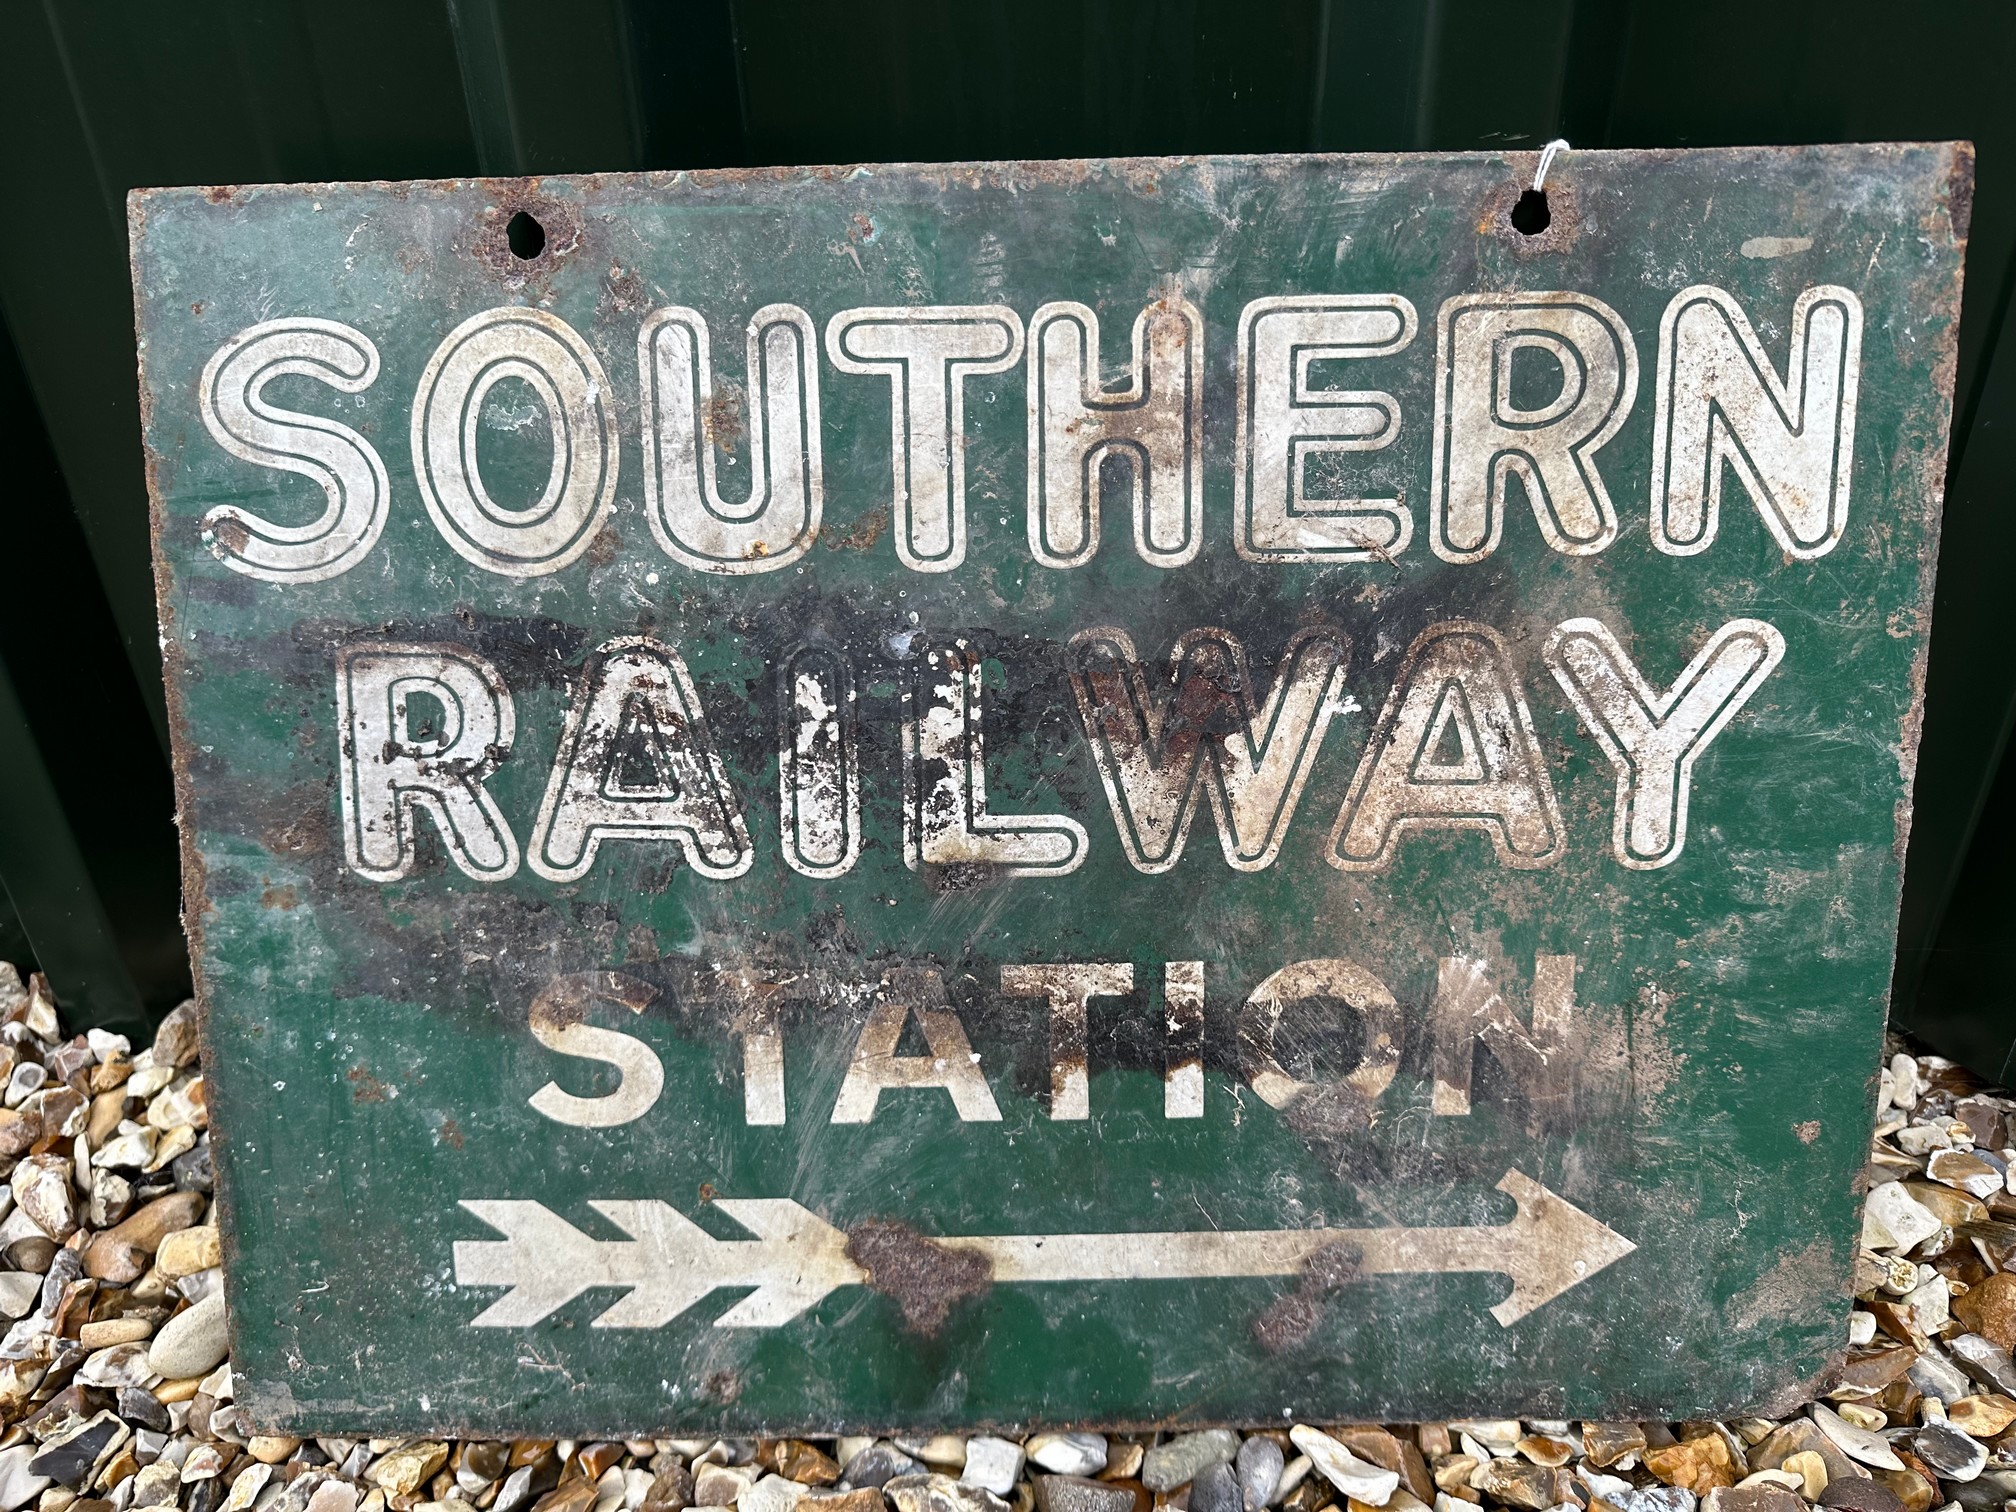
{"x":280,"y":897}
{"x":723,"y":419}
{"x":924,"y":1278}
{"x":605,"y":547}
{"x":1292,"y":1318}
{"x":451,"y":1133}
{"x":865,"y":534}
{"x":1564,"y":225}
{"x":365,"y":1088}
{"x":491,"y":243}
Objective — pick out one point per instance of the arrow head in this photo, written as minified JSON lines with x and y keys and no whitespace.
{"x":1551,"y":1245}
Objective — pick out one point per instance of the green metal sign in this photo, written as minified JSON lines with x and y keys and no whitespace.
{"x":1132,"y":792}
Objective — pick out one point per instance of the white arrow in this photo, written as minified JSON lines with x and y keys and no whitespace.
{"x":669,"y":1263}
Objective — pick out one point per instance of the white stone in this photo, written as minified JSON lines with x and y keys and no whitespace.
{"x":191,"y":1343}
{"x":993,"y":1463}
{"x":1856,"y":1443}
{"x":1930,"y":1302}
{"x":1861,"y":1327}
{"x":1892,"y":1219}
{"x":1353,"y":1476}
{"x":1068,"y":1453}
{"x":18,"y":1291}
{"x":942,"y":1451}
{"x":1923,"y":1139}
{"x":17,"y":1486}
{"x":719,"y":1485}
{"x":773,"y":1493}
{"x":333,"y":1496}
{"x":118,"y":1365}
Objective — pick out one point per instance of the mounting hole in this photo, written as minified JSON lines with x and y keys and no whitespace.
{"x":1529,"y":217}
{"x":528,"y":237}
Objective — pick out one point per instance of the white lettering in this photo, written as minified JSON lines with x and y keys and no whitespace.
{"x":636,"y":762}
{"x":946,"y":821}
{"x":683,"y":429}
{"x":392,"y":765}
{"x":927,"y":354}
{"x":1285,"y":419}
{"x":556,"y":1020}
{"x":1484,"y":437}
{"x":548,"y":358}
{"x":1654,"y":738}
{"x":1454,"y":749}
{"x":1159,"y":749}
{"x":1155,"y":423}
{"x":1720,"y":407}
{"x":342,"y":463}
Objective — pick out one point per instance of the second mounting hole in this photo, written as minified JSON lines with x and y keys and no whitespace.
{"x":1529,"y":217}
{"x":528,"y":237}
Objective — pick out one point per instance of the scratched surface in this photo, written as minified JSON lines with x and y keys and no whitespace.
{"x":369,"y":1053}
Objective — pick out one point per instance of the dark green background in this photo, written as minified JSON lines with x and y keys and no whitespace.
{"x":1722,"y":1001}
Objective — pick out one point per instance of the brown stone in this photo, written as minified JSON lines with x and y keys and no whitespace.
{"x":1984,"y":1121}
{"x":1518,"y":1483}
{"x":1989,"y":1309}
{"x":175,"y":1041}
{"x":1698,"y":1464}
{"x":1124,"y":1457}
{"x":1874,"y":1368}
{"x":672,"y":1491}
{"x":122,"y":1254}
{"x":574,"y":1496}
{"x":1607,"y":1443}
{"x":1433,"y":1438}
{"x":1896,"y":1321}
{"x":1949,"y":1205}
{"x":1388,"y":1452}
{"x":19,"y":1132}
{"x":798,"y":1461}
{"x":867,"y":1499}
{"x":1983,"y":1416}
{"x":596,"y":1458}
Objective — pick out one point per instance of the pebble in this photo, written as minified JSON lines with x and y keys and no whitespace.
{"x":944,"y":1451}
{"x":1078,"y":1454}
{"x":193,"y":1249}
{"x":1073,"y":1493}
{"x":1987,"y":1362}
{"x":773,"y":1493}
{"x":1167,"y":1466}
{"x":18,"y":1484}
{"x":876,"y":1466}
{"x":1215,"y":1488}
{"x":1860,"y":1494}
{"x":1892,"y":1219}
{"x":193,"y":1342}
{"x":1343,"y":1469}
{"x":1857,"y":1443}
{"x":1950,"y":1452}
{"x":1260,"y":1463}
{"x":939,"y":1493}
{"x":992,"y":1463}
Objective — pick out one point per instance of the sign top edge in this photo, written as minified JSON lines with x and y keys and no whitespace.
{"x":1011,"y":172}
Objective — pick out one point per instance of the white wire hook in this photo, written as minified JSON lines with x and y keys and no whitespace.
{"x":1547,"y":155}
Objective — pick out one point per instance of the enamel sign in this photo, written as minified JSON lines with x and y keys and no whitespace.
{"x":1116,"y":792}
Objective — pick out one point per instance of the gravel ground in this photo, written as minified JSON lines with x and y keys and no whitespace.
{"x":116,"y":1393}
